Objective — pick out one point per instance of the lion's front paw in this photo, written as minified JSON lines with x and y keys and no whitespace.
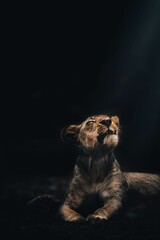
{"x":98,"y":216}
{"x":75,"y":219}
{"x":96,"y":219}
{"x":70,"y":215}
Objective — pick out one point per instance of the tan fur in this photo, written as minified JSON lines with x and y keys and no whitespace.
{"x":97,"y":171}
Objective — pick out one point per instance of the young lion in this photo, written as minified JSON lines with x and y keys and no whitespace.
{"x":97,"y":172}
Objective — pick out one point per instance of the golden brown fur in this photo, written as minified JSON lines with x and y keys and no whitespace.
{"x":97,"y":172}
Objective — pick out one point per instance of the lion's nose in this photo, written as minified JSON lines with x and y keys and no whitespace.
{"x":107,"y":122}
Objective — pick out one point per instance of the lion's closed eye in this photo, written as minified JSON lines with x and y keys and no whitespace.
{"x":90,"y":123}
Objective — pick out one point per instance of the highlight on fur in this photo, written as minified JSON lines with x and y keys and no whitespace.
{"x":97,"y":174}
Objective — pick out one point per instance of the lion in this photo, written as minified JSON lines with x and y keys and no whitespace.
{"x":97,"y":173}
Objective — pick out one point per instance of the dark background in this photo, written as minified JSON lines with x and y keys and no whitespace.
{"x":65,"y":62}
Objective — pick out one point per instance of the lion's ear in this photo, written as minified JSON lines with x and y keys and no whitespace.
{"x":70,"y":133}
{"x":115,"y":119}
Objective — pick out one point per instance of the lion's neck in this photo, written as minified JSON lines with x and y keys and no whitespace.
{"x":96,"y":165}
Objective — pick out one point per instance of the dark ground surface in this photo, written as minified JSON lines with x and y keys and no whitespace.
{"x":29,"y":206}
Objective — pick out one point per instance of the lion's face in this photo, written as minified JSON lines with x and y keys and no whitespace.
{"x":94,"y":132}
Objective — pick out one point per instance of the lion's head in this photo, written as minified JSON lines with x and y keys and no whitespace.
{"x":94,"y":132}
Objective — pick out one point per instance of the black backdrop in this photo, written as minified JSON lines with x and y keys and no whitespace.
{"x":65,"y":62}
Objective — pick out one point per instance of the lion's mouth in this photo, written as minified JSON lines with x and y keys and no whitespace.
{"x":102,"y":136}
{"x":110,"y":132}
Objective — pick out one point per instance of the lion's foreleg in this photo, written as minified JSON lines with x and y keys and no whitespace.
{"x":72,"y":202}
